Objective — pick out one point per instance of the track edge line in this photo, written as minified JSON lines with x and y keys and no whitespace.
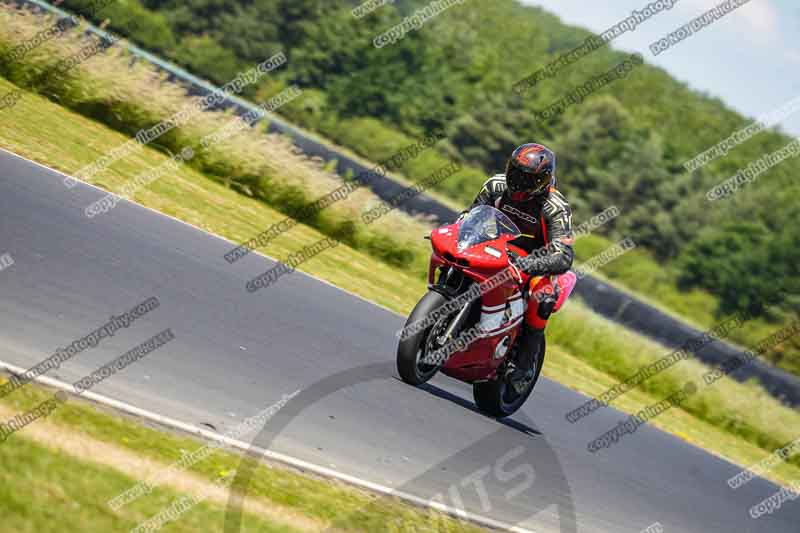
{"x":274,"y":456}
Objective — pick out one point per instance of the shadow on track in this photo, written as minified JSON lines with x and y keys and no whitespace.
{"x":469,"y":405}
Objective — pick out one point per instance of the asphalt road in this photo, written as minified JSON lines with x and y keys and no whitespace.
{"x":236,"y":353}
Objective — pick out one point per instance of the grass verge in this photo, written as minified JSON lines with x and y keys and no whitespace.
{"x":657,"y":284}
{"x":54,"y":481}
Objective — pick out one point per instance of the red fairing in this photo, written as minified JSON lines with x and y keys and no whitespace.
{"x":502,"y":308}
{"x":445,"y":244}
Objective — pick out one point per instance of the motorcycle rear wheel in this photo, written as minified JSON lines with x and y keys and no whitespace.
{"x":411,"y":349}
{"x":498,"y":397}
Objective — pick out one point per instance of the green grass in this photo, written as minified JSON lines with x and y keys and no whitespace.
{"x":657,"y":284}
{"x":746,"y":411}
{"x":79,"y":489}
{"x":45,"y":490}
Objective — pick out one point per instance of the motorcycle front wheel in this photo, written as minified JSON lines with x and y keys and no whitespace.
{"x":412,"y":349}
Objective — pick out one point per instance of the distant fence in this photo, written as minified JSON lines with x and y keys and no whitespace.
{"x":601,"y":297}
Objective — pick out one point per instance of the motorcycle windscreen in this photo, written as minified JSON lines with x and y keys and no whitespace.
{"x":485,"y":223}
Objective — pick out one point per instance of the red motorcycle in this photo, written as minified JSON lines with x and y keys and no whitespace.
{"x":468,"y":322}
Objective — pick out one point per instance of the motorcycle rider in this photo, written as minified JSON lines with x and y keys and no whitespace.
{"x":527,"y":194}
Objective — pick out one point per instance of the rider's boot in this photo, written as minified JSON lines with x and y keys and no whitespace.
{"x":528,"y":346}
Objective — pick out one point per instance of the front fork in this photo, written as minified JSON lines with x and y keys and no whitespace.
{"x":451,"y":283}
{"x":455,"y":324}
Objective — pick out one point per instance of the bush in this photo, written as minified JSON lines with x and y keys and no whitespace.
{"x":129,"y":18}
{"x":370,"y":138}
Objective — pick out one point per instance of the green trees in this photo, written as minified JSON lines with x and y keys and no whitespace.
{"x":746,"y":265}
{"x":732,"y":262}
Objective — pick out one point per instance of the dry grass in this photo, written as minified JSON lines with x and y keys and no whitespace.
{"x":61,"y":439}
{"x":129,"y":96}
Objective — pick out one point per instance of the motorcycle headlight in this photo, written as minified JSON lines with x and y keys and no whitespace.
{"x":493,"y":252}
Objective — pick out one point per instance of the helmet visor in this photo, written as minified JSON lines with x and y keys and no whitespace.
{"x":519,"y":181}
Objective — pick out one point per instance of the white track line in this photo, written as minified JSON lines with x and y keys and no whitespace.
{"x":274,"y":456}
